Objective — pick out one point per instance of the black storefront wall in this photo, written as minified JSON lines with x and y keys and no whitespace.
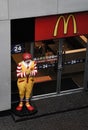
{"x":23,"y":30}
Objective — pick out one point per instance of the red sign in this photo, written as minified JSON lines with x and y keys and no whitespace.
{"x":60,"y":26}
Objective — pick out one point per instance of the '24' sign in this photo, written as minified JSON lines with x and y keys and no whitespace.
{"x":17,"y":48}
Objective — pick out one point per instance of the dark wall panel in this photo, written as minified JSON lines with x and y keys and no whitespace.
{"x":22,"y":30}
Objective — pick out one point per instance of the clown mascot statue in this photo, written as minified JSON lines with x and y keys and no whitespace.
{"x":26,"y":70}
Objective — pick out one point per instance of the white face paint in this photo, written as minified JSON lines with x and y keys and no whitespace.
{"x":27,"y":61}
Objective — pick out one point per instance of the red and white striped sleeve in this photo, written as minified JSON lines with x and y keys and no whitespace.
{"x":19,"y":72}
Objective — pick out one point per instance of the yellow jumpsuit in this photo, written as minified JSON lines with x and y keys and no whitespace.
{"x":25,"y":82}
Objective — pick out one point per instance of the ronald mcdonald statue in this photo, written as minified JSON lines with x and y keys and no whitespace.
{"x":26,"y":70}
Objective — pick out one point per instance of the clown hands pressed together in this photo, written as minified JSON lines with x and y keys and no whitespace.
{"x":26,"y":70}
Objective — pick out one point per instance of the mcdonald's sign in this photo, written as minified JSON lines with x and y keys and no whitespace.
{"x":60,"y":26}
{"x":65,"y":22}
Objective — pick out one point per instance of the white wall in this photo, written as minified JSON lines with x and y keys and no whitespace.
{"x":3,"y":9}
{"x":5,"y":69}
{"x":31,"y":8}
{"x":67,"y":6}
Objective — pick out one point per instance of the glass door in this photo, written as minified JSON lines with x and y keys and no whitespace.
{"x":45,"y":54}
{"x":73,"y":63}
{"x":86,"y":65}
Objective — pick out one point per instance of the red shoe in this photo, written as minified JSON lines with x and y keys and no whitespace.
{"x":30,"y":108}
{"x":19,"y":107}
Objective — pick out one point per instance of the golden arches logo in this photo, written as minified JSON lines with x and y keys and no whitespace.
{"x":66,"y":21}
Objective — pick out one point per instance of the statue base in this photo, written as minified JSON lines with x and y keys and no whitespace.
{"x":23,"y":114}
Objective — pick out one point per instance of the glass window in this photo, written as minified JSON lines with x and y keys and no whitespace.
{"x":45,"y":54}
{"x":73,"y":63}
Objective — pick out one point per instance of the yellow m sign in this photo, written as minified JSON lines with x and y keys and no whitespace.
{"x":65,"y":21}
